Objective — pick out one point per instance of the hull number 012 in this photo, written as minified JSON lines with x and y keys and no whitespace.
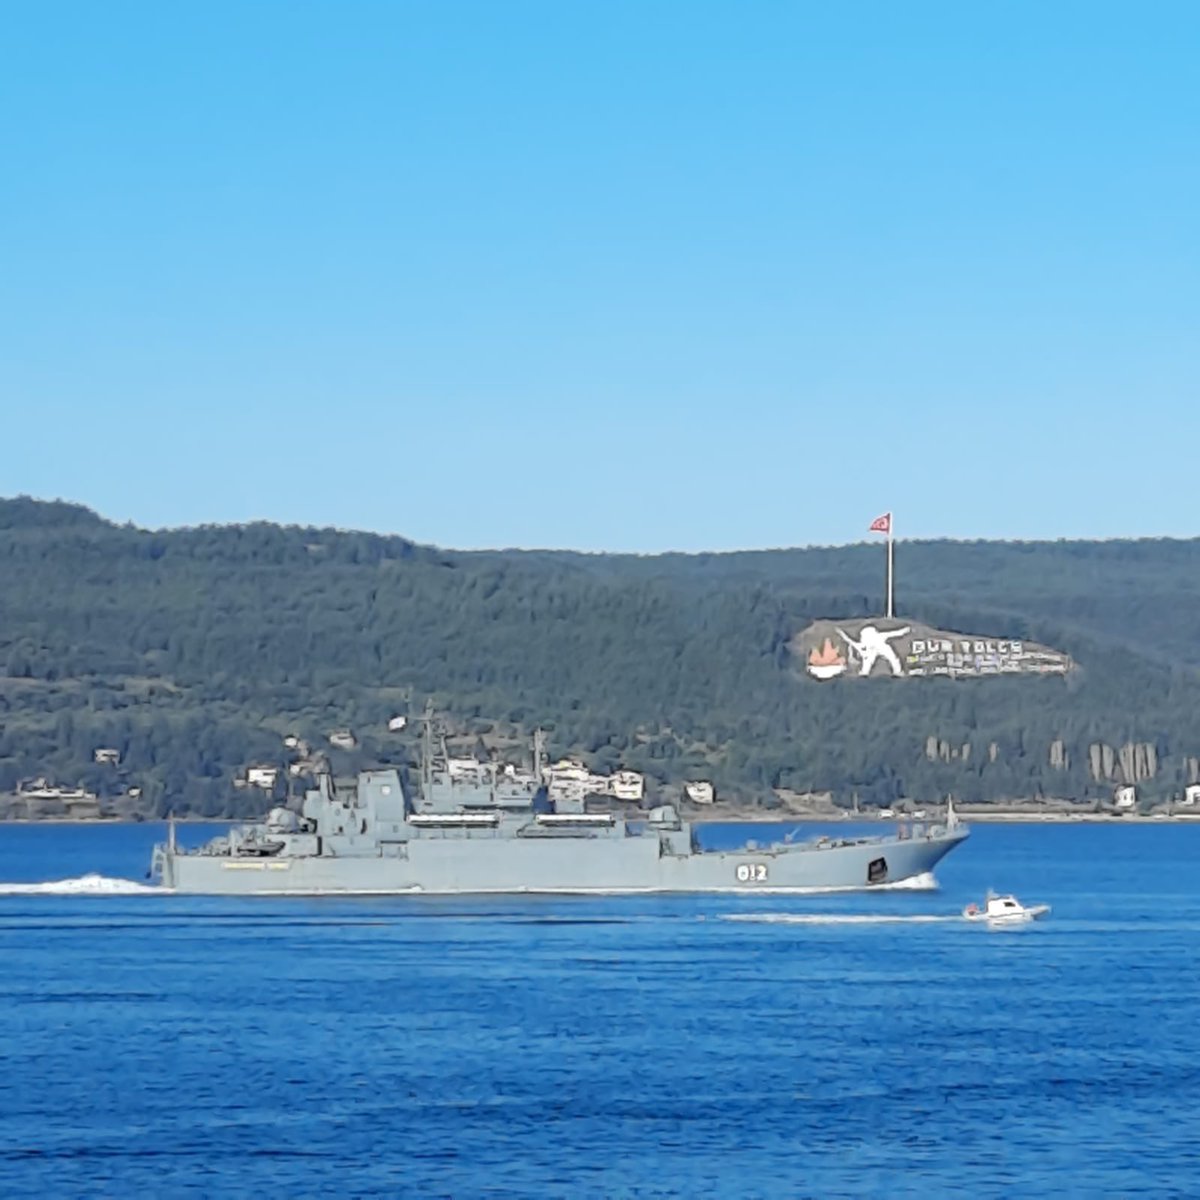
{"x":752,"y":873}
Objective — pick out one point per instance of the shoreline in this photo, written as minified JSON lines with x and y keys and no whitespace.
{"x":752,"y":816}
{"x":1090,"y":818}
{"x":120,"y":821}
{"x":968,"y":817}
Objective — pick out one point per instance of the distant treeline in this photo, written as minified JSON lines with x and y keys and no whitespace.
{"x":193,"y":652}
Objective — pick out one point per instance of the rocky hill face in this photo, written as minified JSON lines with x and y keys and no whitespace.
{"x":190,"y":655}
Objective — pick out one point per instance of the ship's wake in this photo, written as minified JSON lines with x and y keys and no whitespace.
{"x":924,"y":882}
{"x":83,"y":885}
{"x":838,"y":918}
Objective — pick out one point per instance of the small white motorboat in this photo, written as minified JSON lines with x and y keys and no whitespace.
{"x":1004,"y":910}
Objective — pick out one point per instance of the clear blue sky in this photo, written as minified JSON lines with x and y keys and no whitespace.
{"x":605,"y":275}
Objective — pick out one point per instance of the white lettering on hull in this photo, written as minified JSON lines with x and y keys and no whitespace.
{"x":751,"y":873}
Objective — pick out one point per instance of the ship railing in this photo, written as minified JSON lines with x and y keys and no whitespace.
{"x":451,"y":820}
{"x":569,"y":819}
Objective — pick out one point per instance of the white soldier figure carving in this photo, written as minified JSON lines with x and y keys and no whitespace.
{"x":874,"y":643}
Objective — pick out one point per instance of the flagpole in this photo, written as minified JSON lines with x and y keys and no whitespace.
{"x":883,"y":524}
{"x":891,"y":524}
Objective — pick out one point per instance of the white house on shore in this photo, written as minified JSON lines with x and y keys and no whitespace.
{"x":700,"y":792}
{"x":1125,"y":797}
{"x":628,"y":785}
{"x":262,"y":777}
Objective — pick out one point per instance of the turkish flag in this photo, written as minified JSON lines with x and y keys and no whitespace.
{"x":881,"y":524}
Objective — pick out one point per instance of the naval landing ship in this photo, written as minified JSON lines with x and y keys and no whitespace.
{"x":491,"y":831}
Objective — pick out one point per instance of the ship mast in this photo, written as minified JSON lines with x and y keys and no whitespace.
{"x":427,"y":748}
{"x":539,"y":748}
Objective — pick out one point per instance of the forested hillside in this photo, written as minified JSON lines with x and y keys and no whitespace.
{"x":193,"y":652}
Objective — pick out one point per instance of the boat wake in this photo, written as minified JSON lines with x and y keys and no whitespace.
{"x":837,"y":918}
{"x":925,"y":882}
{"x":84,"y":885}
{"x":914,"y":883}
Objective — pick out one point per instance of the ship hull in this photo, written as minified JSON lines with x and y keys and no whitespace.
{"x":463,"y":866}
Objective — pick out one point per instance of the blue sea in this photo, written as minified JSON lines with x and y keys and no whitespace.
{"x":824,"y":1046}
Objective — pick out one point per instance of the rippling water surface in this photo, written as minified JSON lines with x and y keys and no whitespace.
{"x":850,"y":1045}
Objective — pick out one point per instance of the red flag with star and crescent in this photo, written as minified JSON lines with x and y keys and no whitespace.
{"x":881,"y":524}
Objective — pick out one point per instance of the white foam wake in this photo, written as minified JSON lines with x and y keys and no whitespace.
{"x":836,"y":918}
{"x":924,"y":882}
{"x":914,"y":883}
{"x":85,"y":885}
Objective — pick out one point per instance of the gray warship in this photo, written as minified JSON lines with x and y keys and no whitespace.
{"x":493,"y":830}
